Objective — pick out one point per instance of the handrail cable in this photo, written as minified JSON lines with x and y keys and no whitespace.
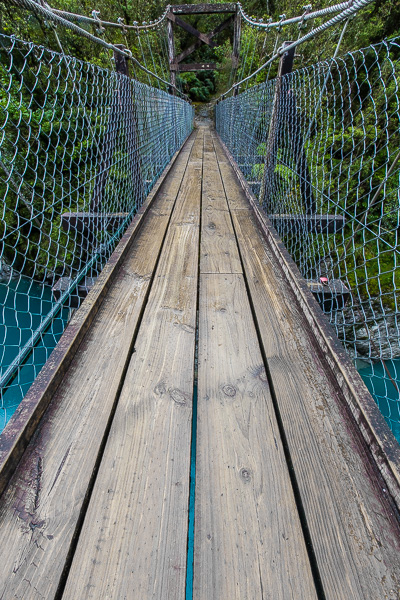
{"x":305,"y":16}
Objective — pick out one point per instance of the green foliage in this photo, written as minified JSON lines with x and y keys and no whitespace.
{"x":199,"y":86}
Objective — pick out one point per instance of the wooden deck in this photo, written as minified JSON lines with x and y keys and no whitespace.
{"x":294,"y":497}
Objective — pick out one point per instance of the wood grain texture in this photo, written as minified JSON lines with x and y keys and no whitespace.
{"x":354,"y":531}
{"x":248,"y":538}
{"x":41,"y":508}
{"x":23,"y":423}
{"x":219,"y":253}
{"x":133,"y":543}
{"x":234,"y":193}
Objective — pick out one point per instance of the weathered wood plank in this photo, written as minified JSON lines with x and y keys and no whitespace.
{"x":218,"y":253}
{"x":353,"y":529}
{"x":234,"y":193}
{"x":133,"y":542}
{"x":20,"y":429}
{"x":41,"y":509}
{"x":248,"y":537}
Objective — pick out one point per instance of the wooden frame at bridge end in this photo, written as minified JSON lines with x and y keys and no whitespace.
{"x":22,"y":425}
{"x":358,"y":402}
{"x":206,"y":9}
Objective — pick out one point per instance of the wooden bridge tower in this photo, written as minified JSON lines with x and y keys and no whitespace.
{"x":176,"y":61}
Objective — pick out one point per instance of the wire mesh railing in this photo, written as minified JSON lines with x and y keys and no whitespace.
{"x":80,"y":148}
{"x":320,"y":150}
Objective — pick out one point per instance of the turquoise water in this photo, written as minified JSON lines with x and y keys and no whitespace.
{"x":384,"y":392}
{"x":192,"y":489}
{"x":24,"y":304}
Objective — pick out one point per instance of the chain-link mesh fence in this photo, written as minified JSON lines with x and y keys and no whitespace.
{"x":320,"y":149}
{"x":80,"y":148}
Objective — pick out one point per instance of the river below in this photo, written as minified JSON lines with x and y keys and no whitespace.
{"x":24,"y":304}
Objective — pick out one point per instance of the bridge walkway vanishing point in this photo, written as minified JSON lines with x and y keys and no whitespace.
{"x":289,"y":501}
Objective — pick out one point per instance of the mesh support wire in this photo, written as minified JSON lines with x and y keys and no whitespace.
{"x":320,"y":150}
{"x":80,"y":149}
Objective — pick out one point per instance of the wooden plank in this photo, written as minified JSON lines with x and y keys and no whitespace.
{"x":209,"y":147}
{"x":133,"y":542}
{"x":206,"y":9}
{"x":234,"y":192}
{"x":218,"y":253}
{"x":41,"y":510}
{"x":352,"y":525}
{"x":248,"y":538}
{"x":197,"y":152}
{"x":22,"y":425}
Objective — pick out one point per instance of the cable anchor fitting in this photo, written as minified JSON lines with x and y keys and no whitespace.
{"x":122,"y":23}
{"x":302,"y":24}
{"x":281,"y":19}
{"x":96,"y":16}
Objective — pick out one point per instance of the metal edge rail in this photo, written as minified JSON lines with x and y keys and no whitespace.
{"x":357,"y":401}
{"x":22,"y":425}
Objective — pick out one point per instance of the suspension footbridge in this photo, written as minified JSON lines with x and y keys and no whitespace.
{"x":201,"y":329}
{"x":200,"y":431}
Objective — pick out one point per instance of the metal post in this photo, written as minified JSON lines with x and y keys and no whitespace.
{"x":291,"y":120}
{"x":272,"y":141}
{"x":296,"y":139}
{"x":236,"y":43}
{"x":171,"y":54}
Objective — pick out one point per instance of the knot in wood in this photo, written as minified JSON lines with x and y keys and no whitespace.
{"x":229,"y":390}
{"x":160,"y":389}
{"x":179,"y":397}
{"x":245,"y":475}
